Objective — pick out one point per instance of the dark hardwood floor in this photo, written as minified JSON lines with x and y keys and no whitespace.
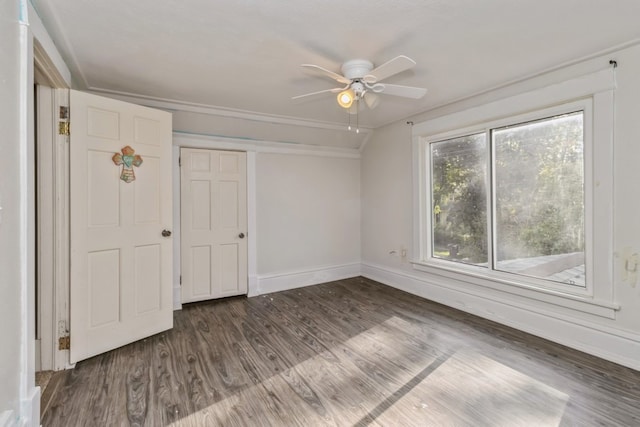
{"x":347,"y":353}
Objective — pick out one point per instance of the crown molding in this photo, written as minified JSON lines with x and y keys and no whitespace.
{"x":175,"y":105}
{"x":54,"y":31}
{"x":192,"y":140}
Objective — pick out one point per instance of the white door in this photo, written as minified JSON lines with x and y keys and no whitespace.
{"x":121,"y":269}
{"x":213,"y":189}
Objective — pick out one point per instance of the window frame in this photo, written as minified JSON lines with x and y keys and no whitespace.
{"x":427,"y":257}
{"x":593,"y":93}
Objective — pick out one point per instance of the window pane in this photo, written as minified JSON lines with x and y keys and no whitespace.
{"x":459,"y":199}
{"x":539,"y":193}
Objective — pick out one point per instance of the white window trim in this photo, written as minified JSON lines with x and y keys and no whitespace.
{"x":592,"y":93}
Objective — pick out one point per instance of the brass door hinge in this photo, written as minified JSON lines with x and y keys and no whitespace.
{"x":63,"y":128}
{"x":64,"y":343}
{"x":63,"y":124}
{"x":64,"y":112}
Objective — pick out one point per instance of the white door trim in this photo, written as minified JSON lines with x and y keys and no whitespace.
{"x":45,"y":142}
{"x":53,"y":184}
{"x":53,"y":226}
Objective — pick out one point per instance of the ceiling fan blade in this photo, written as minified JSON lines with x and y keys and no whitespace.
{"x":404,"y":91}
{"x":320,"y":92}
{"x":371,"y":99}
{"x":389,"y":68}
{"x":324,"y":72}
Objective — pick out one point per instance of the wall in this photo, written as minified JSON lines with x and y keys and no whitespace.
{"x":19,"y":399}
{"x":308,"y":218}
{"x":10,"y":238}
{"x":303,"y":211}
{"x":387,"y":206}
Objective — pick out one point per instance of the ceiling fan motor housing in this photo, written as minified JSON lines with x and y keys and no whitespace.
{"x":356,"y":68}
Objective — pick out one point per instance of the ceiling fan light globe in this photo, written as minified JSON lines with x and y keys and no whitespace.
{"x":345,"y":98}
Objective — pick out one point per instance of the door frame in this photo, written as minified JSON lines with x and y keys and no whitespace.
{"x":52,"y":257}
{"x":53,"y":228}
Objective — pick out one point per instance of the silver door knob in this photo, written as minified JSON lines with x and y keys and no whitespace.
{"x":241,"y":235}
{"x":166,"y":233}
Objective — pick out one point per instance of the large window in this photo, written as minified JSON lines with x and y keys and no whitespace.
{"x":509,"y":198}
{"x":513,"y":198}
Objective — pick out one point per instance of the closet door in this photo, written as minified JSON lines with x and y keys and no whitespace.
{"x":213,"y":192}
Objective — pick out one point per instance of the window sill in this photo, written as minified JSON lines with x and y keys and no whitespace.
{"x":581,"y":303}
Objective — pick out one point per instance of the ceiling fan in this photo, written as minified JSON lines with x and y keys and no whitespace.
{"x":362,"y":82}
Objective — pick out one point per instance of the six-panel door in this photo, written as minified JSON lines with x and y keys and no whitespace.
{"x":121,"y":265}
{"x":213,"y":189}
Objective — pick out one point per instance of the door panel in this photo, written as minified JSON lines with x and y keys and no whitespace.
{"x":147,"y":192}
{"x":121,"y":266}
{"x":104,"y":287}
{"x":214,"y":216}
{"x":148,"y":261}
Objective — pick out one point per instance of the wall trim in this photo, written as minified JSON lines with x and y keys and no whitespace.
{"x":7,"y":419}
{"x":547,"y":296}
{"x":45,"y":53}
{"x":252,"y":288}
{"x":192,"y":140}
{"x":177,"y":297}
{"x":192,"y":107}
{"x":31,"y":408}
{"x":613,"y":344}
{"x":177,"y":266}
{"x":252,"y":224}
{"x":293,"y":279}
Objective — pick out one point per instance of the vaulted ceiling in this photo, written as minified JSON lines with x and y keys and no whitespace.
{"x":246,"y":54}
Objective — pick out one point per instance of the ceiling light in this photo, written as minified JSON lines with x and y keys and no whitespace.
{"x":345,"y":98}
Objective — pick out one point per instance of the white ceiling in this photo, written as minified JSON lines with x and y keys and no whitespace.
{"x":246,"y":54}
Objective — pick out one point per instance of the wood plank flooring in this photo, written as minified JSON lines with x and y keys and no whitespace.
{"x":346,"y":353}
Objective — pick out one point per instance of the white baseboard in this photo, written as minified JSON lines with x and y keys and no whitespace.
{"x":29,"y":412}
{"x":252,"y":286}
{"x":177,"y":298}
{"x":7,"y":419}
{"x":602,"y":341}
{"x":300,"y":278}
{"x":31,"y":406}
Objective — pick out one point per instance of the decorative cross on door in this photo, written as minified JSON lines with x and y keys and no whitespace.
{"x":128,"y":160}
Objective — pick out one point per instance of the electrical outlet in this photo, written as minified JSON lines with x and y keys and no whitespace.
{"x":631,"y":267}
{"x":630,"y":264}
